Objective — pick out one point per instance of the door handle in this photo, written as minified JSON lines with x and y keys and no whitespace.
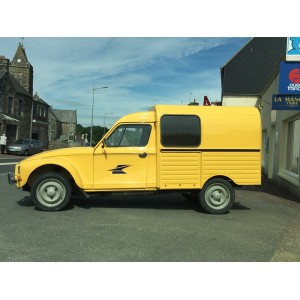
{"x":143,"y":155}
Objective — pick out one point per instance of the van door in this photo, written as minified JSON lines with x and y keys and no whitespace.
{"x":122,"y":161}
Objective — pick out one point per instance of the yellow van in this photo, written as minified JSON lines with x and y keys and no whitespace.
{"x":202,"y":152}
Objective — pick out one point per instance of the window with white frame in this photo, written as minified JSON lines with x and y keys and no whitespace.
{"x":293,"y":147}
{"x":41,"y":111}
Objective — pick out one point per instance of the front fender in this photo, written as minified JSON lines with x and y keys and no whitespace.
{"x":28,"y":168}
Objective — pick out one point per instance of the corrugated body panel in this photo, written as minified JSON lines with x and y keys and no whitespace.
{"x":179,"y":170}
{"x":244,"y":168}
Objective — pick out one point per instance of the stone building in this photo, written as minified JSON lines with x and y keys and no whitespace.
{"x":21,"y":69}
{"x":40,"y":123}
{"x":24,"y":115}
{"x":68,"y":120}
{"x":62,"y":128}
{"x":15,"y":105}
{"x":55,"y":126}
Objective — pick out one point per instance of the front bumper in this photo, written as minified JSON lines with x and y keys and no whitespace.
{"x":11,"y":178}
{"x":12,"y":151}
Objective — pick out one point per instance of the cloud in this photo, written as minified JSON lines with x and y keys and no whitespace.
{"x":139,"y":72}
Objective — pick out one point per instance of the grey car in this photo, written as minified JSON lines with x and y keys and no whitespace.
{"x":24,"y":147}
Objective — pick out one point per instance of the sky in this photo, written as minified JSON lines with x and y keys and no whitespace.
{"x":138,"y":71}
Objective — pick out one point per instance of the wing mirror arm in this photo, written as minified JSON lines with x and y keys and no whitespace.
{"x":103,"y":144}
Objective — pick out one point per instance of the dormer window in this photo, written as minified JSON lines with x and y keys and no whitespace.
{"x":41,"y":111}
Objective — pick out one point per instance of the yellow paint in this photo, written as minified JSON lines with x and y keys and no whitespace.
{"x":230,"y":147}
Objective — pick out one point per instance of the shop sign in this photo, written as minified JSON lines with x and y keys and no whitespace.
{"x":293,"y":49}
{"x":289,"y":78}
{"x":285,"y":102}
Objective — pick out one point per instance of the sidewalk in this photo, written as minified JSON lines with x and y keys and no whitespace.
{"x":272,"y":188}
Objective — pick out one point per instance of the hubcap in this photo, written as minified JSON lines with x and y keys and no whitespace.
{"x":217,"y":196}
{"x":51,"y":192}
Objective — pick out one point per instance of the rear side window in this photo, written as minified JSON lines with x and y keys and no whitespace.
{"x":180,"y":131}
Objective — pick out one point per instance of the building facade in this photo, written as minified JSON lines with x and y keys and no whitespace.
{"x":40,"y":122}
{"x":24,"y":115}
{"x":21,"y":69}
{"x":15,"y":105}
{"x":281,"y":139}
{"x":251,"y":78}
{"x":68,"y":121}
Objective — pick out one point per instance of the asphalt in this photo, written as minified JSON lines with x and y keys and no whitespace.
{"x":268,"y":215}
{"x":288,"y":248}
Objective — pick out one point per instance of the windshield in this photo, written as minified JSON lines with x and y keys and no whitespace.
{"x":22,"y":142}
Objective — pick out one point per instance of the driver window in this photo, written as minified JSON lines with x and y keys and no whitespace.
{"x":133,"y":135}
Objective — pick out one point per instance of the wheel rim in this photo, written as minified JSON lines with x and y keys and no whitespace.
{"x":51,"y":192}
{"x":217,"y":196}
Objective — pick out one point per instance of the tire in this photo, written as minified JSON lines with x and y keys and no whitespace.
{"x":217,"y":196}
{"x":51,"y":192}
{"x":26,"y":153}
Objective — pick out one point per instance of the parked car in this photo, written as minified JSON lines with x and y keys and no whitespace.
{"x":24,"y":147}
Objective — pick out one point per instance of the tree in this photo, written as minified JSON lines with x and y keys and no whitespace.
{"x":98,"y":132}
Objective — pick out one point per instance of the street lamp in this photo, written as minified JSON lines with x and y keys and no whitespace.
{"x":94,"y":89}
{"x":105,"y":114}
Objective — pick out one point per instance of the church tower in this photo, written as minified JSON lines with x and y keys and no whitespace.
{"x":21,"y":69}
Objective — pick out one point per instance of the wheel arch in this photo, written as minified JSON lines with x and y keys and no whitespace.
{"x":222,"y":177}
{"x":69,"y":173}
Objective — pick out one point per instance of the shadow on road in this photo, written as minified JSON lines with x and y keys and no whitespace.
{"x":239,"y":206}
{"x":171,"y":202}
{"x":273,"y":189}
{"x":26,"y":201}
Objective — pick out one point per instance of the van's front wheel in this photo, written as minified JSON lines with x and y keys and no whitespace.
{"x":217,"y":196}
{"x":51,"y":192}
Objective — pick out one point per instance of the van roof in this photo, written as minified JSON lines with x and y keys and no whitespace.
{"x":207,"y":110}
{"x":138,"y":117}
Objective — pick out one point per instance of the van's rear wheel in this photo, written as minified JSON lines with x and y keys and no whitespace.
{"x":217,"y":196}
{"x":51,"y":192}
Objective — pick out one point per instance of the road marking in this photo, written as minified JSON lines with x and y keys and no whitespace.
{"x":4,"y":174}
{"x":9,"y":163}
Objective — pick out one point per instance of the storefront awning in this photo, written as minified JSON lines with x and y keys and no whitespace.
{"x":8,"y":119}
